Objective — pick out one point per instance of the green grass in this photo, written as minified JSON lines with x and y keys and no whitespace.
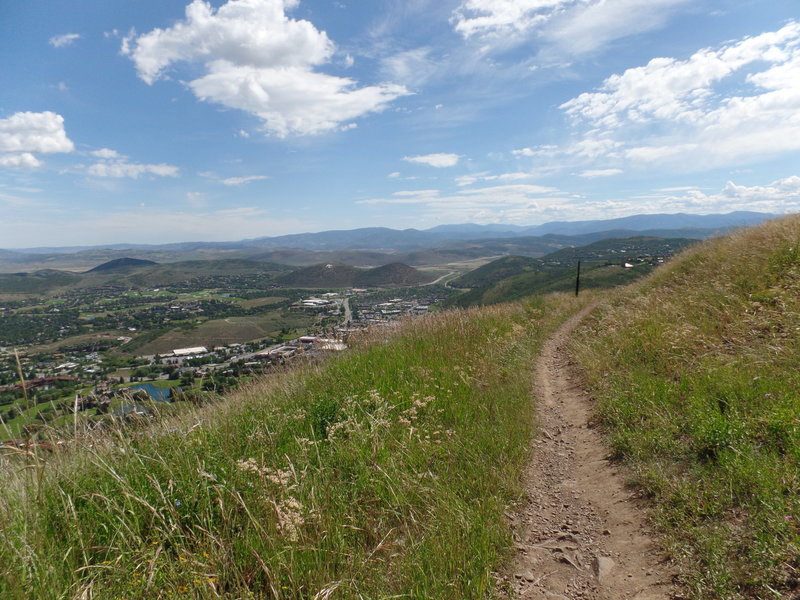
{"x":699,"y":386}
{"x":383,"y":473}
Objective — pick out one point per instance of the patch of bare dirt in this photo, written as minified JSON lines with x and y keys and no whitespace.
{"x":581,"y":532}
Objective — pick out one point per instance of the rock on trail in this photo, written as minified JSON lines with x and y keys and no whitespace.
{"x":580,"y":533}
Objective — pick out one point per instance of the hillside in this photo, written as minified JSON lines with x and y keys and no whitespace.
{"x":697,"y":375}
{"x":37,"y":282}
{"x":383,"y":473}
{"x":135,"y":273}
{"x":391,"y":275}
{"x":514,"y":277}
{"x":502,"y":268}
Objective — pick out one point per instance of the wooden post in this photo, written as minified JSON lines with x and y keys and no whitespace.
{"x":578,"y":279}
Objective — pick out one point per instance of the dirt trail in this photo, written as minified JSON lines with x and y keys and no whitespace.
{"x":580,"y":532}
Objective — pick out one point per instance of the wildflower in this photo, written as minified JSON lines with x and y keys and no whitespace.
{"x":290,"y":518}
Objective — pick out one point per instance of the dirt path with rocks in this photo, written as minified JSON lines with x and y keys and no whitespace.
{"x":581,"y":532}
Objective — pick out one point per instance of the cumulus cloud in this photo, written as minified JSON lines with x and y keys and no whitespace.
{"x":113,"y":164}
{"x":67,"y":39}
{"x":259,"y":60}
{"x":25,"y":134}
{"x":574,"y":26}
{"x":439,"y":160}
{"x":721,"y":106}
{"x":243,"y":180}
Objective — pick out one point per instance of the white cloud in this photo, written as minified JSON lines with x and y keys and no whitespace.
{"x":24,"y":134}
{"x":67,"y":39}
{"x":21,"y":160}
{"x":439,"y":160}
{"x":545,"y":150}
{"x":592,"y":25}
{"x":412,"y":67}
{"x":243,"y":180}
{"x":259,"y":60}
{"x":480,"y":17}
{"x":591,"y":173}
{"x":720,"y":107}
{"x":465,"y":180}
{"x":528,"y":204}
{"x":106,"y":153}
{"x":779,"y":197}
{"x":504,"y":203}
{"x":113,"y":164}
{"x":571,"y":26}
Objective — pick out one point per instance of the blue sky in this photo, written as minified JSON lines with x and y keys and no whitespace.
{"x":157,"y":121}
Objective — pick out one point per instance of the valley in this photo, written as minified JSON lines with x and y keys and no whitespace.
{"x":83,"y":340}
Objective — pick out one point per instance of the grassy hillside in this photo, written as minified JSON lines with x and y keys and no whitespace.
{"x":514,"y":277}
{"x":551,"y":279}
{"x":502,"y":268}
{"x":381,"y":474}
{"x":697,"y":375}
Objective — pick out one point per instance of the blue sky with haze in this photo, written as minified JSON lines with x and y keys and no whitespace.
{"x":156,"y":121}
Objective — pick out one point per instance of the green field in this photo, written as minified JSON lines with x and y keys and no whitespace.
{"x":254,"y":302}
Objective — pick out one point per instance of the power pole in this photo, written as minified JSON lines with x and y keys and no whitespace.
{"x":578,"y":279}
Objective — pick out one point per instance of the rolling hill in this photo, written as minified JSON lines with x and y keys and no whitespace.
{"x":333,"y":275}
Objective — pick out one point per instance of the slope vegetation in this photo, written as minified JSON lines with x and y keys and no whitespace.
{"x":697,"y":374}
{"x":382,"y":474}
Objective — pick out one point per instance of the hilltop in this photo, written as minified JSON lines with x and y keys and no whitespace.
{"x":122,"y":263}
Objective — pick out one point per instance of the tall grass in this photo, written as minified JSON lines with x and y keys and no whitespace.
{"x":698,"y":371}
{"x":382,"y":474}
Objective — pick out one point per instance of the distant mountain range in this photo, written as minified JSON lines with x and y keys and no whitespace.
{"x":376,"y":246}
{"x":386,"y":238}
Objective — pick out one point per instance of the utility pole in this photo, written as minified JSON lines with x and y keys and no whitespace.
{"x":578,"y":279}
